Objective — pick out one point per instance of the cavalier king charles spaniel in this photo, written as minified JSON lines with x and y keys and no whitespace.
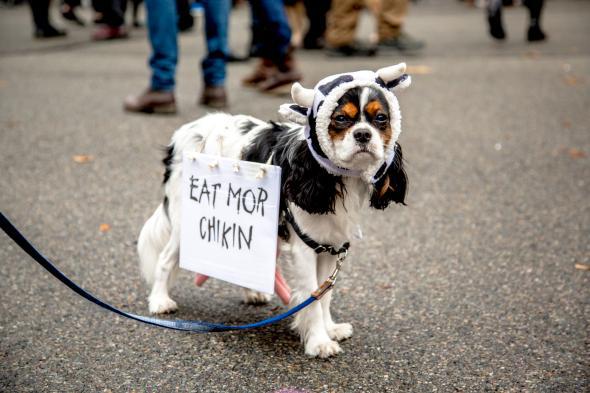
{"x":338,"y":150}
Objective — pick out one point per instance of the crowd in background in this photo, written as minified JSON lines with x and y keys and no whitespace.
{"x":278,"y":29}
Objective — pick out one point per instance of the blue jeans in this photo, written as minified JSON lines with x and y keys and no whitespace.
{"x":216,"y":34}
{"x":162,"y":29}
{"x":162,"y":26}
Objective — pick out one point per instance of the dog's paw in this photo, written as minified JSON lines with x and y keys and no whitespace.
{"x":322,"y":348}
{"x":162,"y":305}
{"x":254,"y":297}
{"x":340,"y":331}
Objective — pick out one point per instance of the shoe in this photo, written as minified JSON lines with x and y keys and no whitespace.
{"x":279,"y":79}
{"x":49,"y":32}
{"x":151,"y":101}
{"x":535,"y":34}
{"x":69,"y":14}
{"x":402,"y":42}
{"x":351,"y":51}
{"x":214,"y":97}
{"x":262,"y":72}
{"x":104,"y":33}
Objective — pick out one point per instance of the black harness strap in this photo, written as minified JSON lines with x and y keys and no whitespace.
{"x":317,"y":247}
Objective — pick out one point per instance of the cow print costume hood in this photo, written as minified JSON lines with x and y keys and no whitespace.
{"x":313,"y":108}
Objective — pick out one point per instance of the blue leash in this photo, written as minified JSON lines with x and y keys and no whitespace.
{"x":183,"y":325}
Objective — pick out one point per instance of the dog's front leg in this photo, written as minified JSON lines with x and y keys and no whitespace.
{"x":336,"y":331}
{"x":159,"y":299}
{"x":309,"y":323}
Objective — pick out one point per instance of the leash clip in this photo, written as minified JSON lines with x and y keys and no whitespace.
{"x":329,"y":283}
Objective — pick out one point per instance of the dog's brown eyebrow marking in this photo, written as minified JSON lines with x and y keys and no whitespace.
{"x":350,"y":110}
{"x":373,"y":107}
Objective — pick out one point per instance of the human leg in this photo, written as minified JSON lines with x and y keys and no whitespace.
{"x":390,"y":23}
{"x":159,"y":98}
{"x":213,"y":65}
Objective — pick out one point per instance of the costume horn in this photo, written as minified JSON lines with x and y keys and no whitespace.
{"x":301,"y":95}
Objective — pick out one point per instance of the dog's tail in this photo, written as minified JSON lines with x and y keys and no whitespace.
{"x":152,"y":240}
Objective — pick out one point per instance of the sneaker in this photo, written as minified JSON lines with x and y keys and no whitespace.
{"x":104,"y":33}
{"x":214,"y":97}
{"x":151,"y":101}
{"x":403,"y":42}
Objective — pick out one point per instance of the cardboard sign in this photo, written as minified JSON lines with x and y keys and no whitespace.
{"x":229,"y":224}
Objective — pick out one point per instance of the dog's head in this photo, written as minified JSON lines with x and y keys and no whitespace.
{"x":352,"y":124}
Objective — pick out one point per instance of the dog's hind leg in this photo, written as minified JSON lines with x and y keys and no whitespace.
{"x":336,"y":331}
{"x":159,"y":299}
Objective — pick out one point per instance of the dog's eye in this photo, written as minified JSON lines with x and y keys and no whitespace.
{"x":340,"y":118}
{"x":380,"y":117}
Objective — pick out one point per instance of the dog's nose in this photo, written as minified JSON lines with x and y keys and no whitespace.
{"x":362,"y":136}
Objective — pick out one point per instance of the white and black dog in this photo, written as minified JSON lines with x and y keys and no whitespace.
{"x":339,"y":155}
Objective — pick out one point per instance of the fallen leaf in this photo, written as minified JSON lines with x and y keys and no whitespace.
{"x":82,"y":159}
{"x":104,"y":228}
{"x":566,"y":124}
{"x":419,"y":70}
{"x":576,"y":153}
{"x":582,"y":266}
{"x":571,"y":80}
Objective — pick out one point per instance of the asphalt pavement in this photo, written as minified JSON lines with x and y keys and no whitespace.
{"x":481,"y":283}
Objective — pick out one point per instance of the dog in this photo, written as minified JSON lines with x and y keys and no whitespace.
{"x":338,"y":150}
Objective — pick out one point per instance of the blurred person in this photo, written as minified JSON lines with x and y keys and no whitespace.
{"x":162,"y":28}
{"x":534,"y":32}
{"x":343,"y":18}
{"x":43,"y":27}
{"x":277,"y":67}
{"x":111,"y":20}
{"x":316,"y":11}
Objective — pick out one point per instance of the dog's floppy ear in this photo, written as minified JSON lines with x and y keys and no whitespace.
{"x":393,"y":185}
{"x":297,"y":112}
{"x":308,"y":185}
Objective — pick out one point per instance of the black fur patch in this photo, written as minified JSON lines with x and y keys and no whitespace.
{"x":328,"y":87}
{"x":398,"y":183}
{"x":308,"y":185}
{"x":247,"y":126}
{"x":264,"y":144}
{"x":167,"y":161}
{"x":303,"y":181}
{"x":299,"y":109}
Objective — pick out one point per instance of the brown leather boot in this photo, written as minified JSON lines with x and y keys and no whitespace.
{"x":151,"y":101}
{"x":214,"y":97}
{"x":262,"y":72}
{"x":285,"y":73}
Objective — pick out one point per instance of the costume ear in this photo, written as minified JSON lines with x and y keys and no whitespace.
{"x":394,"y":77}
{"x":308,"y":185}
{"x":293,"y":112}
{"x":392,"y":186}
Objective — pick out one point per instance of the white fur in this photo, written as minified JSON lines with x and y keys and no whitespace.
{"x":304,"y":270}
